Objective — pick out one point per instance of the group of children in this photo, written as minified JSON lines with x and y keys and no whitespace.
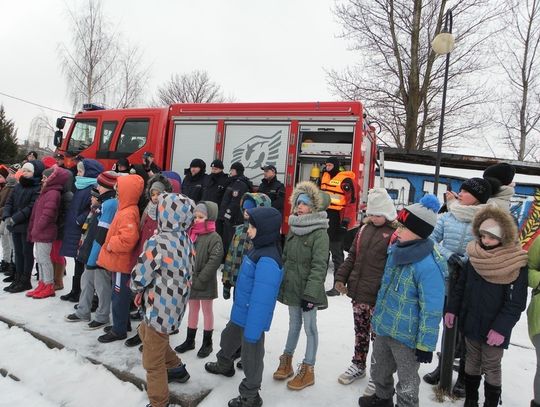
{"x":395,"y":274}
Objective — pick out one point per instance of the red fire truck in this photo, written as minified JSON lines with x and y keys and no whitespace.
{"x":294,"y":137}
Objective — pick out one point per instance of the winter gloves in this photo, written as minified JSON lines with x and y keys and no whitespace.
{"x":306,"y":305}
{"x":423,"y":356}
{"x":227,"y":290}
{"x":449,"y":319}
{"x":9,"y":223}
{"x":456,"y":261}
{"x":494,"y":338}
{"x":341,"y":287}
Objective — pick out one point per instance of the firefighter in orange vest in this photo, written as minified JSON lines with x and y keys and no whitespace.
{"x":340,"y":186}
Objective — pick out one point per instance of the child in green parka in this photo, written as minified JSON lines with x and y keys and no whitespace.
{"x":305,"y":260}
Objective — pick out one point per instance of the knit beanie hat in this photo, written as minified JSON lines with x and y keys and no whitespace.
{"x":217,"y":164}
{"x":421,"y":218}
{"x":197,"y":162}
{"x":47,"y":172}
{"x":158,"y":186}
{"x":202,"y":209}
{"x":380,"y":204}
{"x":248,"y":204}
{"x":304,"y":198}
{"x":480,"y":188}
{"x":503,"y":172}
{"x":28,"y":167}
{"x":48,"y":161}
{"x":238,"y":167}
{"x":107,"y":179}
{"x":492,"y":228}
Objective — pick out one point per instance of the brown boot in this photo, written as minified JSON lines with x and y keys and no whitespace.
{"x":285,"y":370}
{"x":304,"y":378}
{"x":58,"y":276}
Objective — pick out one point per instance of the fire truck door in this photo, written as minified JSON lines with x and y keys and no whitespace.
{"x":193,"y":140}
{"x":256,"y":145}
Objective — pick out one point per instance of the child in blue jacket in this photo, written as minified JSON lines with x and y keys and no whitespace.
{"x":408,"y":309}
{"x":255,"y":298}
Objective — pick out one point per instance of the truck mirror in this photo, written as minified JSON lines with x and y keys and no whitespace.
{"x":58,"y":135}
{"x":60,"y":123}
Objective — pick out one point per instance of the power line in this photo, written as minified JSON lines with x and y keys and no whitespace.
{"x":32,"y":103}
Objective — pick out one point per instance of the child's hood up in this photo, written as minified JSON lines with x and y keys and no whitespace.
{"x":175,"y":212}
{"x":130,"y":188}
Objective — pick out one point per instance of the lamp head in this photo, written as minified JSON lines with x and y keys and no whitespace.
{"x":443,"y":43}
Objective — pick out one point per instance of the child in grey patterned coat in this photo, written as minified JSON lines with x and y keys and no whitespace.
{"x":163,"y":276}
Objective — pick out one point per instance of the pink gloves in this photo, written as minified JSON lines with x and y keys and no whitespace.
{"x":449,"y":319}
{"x":494,"y":338}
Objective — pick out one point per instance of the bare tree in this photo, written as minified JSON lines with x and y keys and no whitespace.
{"x":193,"y":87}
{"x":88,"y":64}
{"x":132,"y":77}
{"x":41,"y":131}
{"x":520,"y":59}
{"x":98,"y":65}
{"x":400,"y":78}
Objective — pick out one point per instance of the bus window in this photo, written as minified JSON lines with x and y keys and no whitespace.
{"x":107,"y":131}
{"x":133,"y":136}
{"x":82,"y":136}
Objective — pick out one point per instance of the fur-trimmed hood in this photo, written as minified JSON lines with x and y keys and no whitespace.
{"x":502,"y":217}
{"x":320,"y":199}
{"x":158,"y":178}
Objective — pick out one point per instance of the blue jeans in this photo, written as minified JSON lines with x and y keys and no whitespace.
{"x":121,"y":298}
{"x":296,"y":315}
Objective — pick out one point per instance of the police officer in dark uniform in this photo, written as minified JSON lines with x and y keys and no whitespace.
{"x":272,"y":187}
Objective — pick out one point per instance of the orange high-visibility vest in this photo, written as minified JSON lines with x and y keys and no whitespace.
{"x":338,"y":200}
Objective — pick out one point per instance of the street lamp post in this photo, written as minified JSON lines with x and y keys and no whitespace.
{"x":443,"y":44}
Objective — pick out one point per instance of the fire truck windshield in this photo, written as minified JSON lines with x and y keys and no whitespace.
{"x":82,"y":136}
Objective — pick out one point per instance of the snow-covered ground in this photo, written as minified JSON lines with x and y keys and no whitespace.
{"x":64,"y":378}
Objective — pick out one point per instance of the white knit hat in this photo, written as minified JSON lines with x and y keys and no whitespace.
{"x":491,"y":227}
{"x":28,"y":167}
{"x":380,"y":204}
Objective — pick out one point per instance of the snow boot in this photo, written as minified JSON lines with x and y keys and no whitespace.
{"x":492,"y":395}
{"x":39,"y":287}
{"x":47,"y":291}
{"x":206,"y":348}
{"x":58,"y":276}
{"x":246,"y":402}
{"x":284,"y":370}
{"x":304,"y":377}
{"x":472,"y":383}
{"x":20,"y":287}
{"x":133,"y":341}
{"x":189,"y":343}
{"x":178,"y":374}
{"x":434,"y":376}
{"x":71,"y":297}
{"x":217,"y":368}
{"x":374,"y":401}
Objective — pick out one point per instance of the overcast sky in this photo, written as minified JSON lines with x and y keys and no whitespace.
{"x":258,"y":51}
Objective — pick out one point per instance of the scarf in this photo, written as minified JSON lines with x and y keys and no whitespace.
{"x":84,"y":182}
{"x":500,"y":265}
{"x":151,"y":210}
{"x":412,"y":252}
{"x":304,"y":224}
{"x":463,"y":213}
{"x":503,"y":197}
{"x":202,"y":228}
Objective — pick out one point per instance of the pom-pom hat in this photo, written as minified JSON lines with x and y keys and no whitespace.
{"x":421,"y":218}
